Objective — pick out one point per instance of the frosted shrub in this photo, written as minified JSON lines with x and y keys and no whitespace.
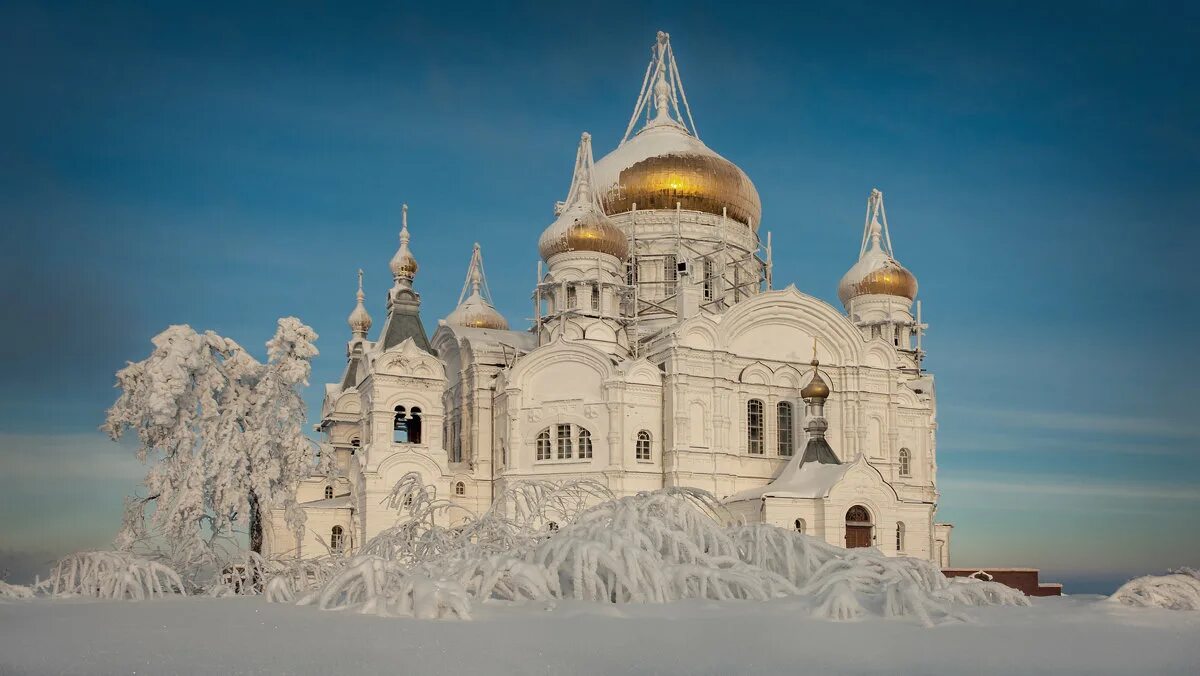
{"x":112,"y":575}
{"x":9,"y":592}
{"x":653,"y":547}
{"x":1178,"y":590}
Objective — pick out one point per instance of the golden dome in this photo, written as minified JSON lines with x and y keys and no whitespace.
{"x":816,"y":388}
{"x":889,"y":279}
{"x":583,"y":230}
{"x":477,"y":313}
{"x":663,"y":165}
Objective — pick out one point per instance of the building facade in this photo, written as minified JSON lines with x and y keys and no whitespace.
{"x":662,"y":354}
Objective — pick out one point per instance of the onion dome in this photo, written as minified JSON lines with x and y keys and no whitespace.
{"x":404,"y":265}
{"x":581,"y":224}
{"x":359,"y":320}
{"x":816,"y":388}
{"x":475,"y":309}
{"x":666,"y":163}
{"x":877,"y":271}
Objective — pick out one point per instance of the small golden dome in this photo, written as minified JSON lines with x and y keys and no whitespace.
{"x":663,"y":165}
{"x":816,"y":388}
{"x":359,"y":320}
{"x":581,"y":224}
{"x":583,"y":230}
{"x":403,"y":264}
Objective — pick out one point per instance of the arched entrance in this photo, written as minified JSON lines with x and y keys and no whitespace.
{"x":858,"y":527}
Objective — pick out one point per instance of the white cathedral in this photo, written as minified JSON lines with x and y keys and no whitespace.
{"x":661,"y":354}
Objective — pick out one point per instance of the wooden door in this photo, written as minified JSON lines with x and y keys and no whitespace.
{"x":858,"y":536}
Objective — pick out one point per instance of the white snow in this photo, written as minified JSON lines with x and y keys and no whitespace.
{"x":248,"y":635}
{"x":1179,"y":590}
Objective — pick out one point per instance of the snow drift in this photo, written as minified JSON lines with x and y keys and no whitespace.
{"x":541,"y":541}
{"x":1178,"y":590}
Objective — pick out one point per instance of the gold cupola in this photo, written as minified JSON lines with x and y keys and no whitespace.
{"x":582,"y":224}
{"x":666,"y":164}
{"x":816,"y":388}
{"x":404,"y":265}
{"x":359,"y":320}
{"x":877,"y":272}
{"x":475,"y":308}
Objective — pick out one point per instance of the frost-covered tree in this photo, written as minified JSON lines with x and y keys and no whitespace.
{"x":223,"y":434}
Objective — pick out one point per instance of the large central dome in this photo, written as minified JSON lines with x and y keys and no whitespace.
{"x":663,"y":165}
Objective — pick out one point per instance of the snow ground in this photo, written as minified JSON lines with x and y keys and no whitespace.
{"x":1069,"y":635}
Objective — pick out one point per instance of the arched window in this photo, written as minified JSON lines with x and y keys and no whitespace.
{"x":355,"y":444}
{"x":670,"y":274}
{"x":799,"y":525}
{"x":564,"y":442}
{"x":543,"y":445}
{"x":899,"y":536}
{"x":328,"y":492}
{"x":905,"y":462}
{"x":572,"y":296}
{"x":400,"y":426}
{"x":337,"y":538}
{"x":642,"y":450}
{"x":585,"y":443}
{"x":460,"y":488}
{"x":783,"y":420}
{"x":414,"y":426}
{"x":596,"y":297}
{"x":754,"y":426}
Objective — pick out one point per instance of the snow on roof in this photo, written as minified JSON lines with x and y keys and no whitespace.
{"x":340,"y":502}
{"x":797,"y":480}
{"x":519,"y":339}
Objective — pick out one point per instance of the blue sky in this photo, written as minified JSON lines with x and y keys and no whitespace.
{"x":222,"y":166}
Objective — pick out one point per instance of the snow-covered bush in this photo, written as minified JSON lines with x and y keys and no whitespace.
{"x":112,"y":575}
{"x":653,"y":547}
{"x":10,"y":592}
{"x":1178,"y":590}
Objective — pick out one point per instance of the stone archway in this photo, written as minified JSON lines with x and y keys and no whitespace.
{"x":859,"y":527}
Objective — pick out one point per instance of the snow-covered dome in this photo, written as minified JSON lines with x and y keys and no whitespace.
{"x":475,"y":309}
{"x":475,"y":312}
{"x":582,"y":224}
{"x":877,"y":272}
{"x":663,"y":165}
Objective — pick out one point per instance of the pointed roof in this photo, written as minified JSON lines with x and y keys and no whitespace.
{"x":404,"y":303}
{"x":582,"y":224}
{"x":475,"y":307}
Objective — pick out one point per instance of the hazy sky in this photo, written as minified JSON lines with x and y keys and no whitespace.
{"x":222,"y":167}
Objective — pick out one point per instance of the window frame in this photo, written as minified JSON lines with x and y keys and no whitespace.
{"x":785,"y":434}
{"x":337,"y":538}
{"x":756,"y":444}
{"x":905,"y":462}
{"x":643,"y":449}
{"x":585,"y":443}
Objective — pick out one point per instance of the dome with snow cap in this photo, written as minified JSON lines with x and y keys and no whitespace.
{"x":582,"y":224}
{"x":666,"y":164}
{"x":877,"y":271}
{"x":404,"y":264}
{"x":475,"y":309}
{"x":359,"y":319}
